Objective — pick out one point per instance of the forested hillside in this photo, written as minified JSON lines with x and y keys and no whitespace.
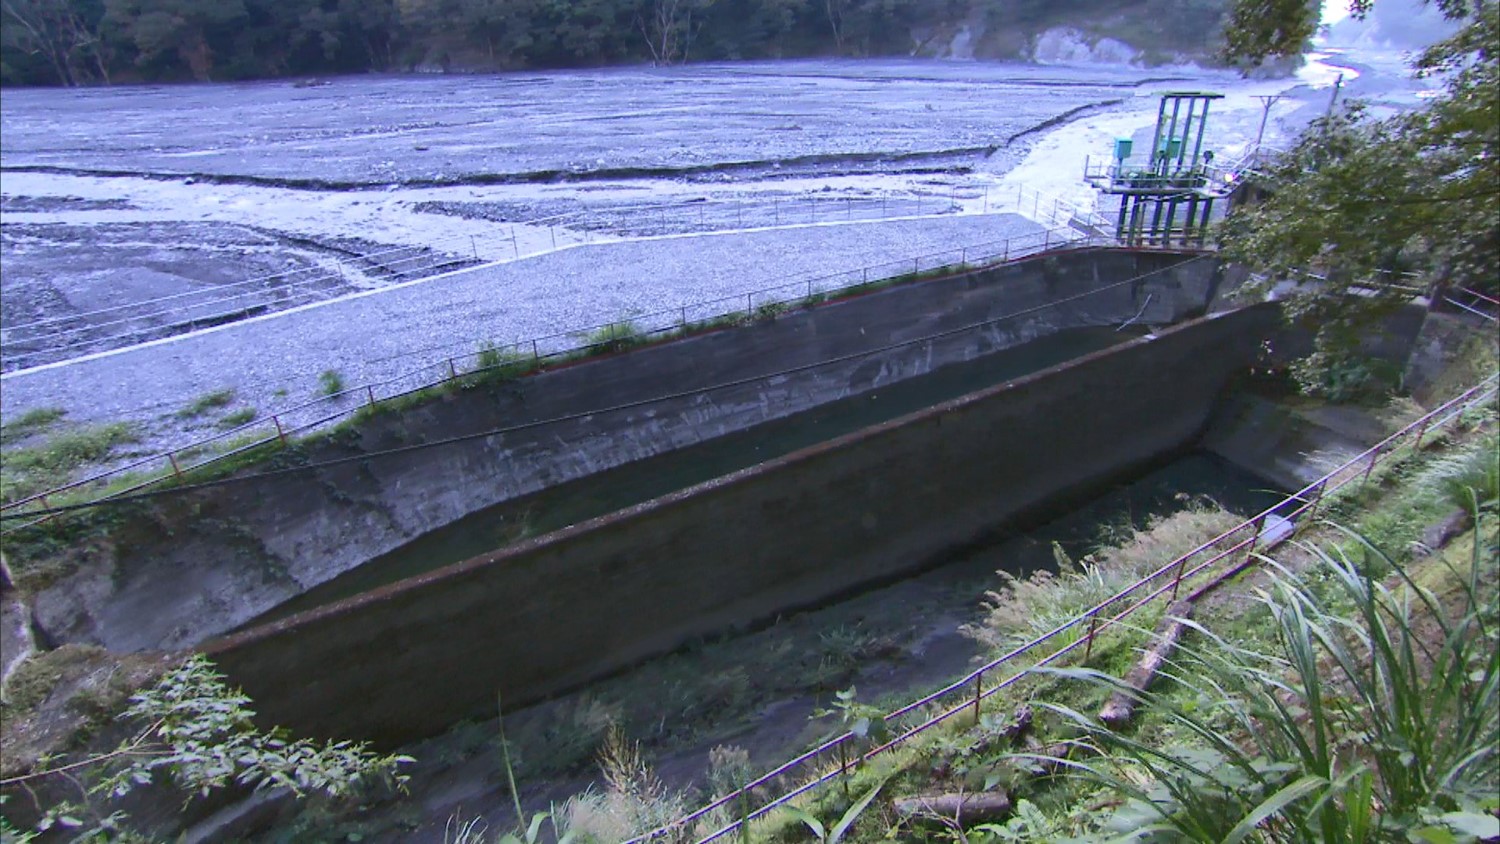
{"x":87,"y":42}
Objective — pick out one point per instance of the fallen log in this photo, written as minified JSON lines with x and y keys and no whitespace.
{"x":964,"y":809}
{"x":1120,"y":707}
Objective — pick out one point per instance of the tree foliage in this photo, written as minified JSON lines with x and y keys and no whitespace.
{"x":80,"y":42}
{"x":199,"y":736}
{"x":1363,"y":210}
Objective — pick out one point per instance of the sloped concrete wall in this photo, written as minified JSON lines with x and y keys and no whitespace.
{"x":202,"y":564}
{"x":409,"y":659}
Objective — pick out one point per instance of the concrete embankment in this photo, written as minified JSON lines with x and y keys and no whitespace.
{"x":409,"y":659}
{"x":201,"y":563}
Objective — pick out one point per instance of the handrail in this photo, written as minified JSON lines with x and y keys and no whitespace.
{"x":1165,"y":580}
{"x":319,"y":412}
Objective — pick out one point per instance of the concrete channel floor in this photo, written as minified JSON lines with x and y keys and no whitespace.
{"x":274,"y":362}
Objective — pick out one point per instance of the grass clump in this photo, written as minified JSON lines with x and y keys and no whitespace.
{"x":26,"y":471}
{"x":33,"y":421}
{"x":614,"y":337}
{"x":240,"y":417}
{"x":206,"y":402}
{"x":330,"y":382}
{"x":1026,"y":607}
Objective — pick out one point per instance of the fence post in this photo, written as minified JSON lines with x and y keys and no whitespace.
{"x":978,"y":689}
{"x":1088,"y":647}
{"x":848,"y":208}
{"x":474,"y":244}
{"x":280,"y":434}
{"x":749,"y":309}
{"x":452,"y":371}
{"x":370,"y":393}
{"x":553,"y":231}
{"x":535,"y":357}
{"x":915,"y":263}
{"x":963,"y":255}
{"x":1422,"y":431}
{"x":1047,"y":240}
{"x":176,"y":470}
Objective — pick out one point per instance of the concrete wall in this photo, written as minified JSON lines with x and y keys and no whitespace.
{"x":407,"y":660}
{"x":201,"y":564}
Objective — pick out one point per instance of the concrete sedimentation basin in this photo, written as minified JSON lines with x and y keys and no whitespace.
{"x":407,"y":659}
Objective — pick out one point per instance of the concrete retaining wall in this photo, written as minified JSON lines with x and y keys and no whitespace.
{"x":409,"y":659}
{"x":202,"y":564}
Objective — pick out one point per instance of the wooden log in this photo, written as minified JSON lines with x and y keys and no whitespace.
{"x":964,"y":809}
{"x":1121,"y":706}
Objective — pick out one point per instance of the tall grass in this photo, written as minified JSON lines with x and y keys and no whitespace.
{"x":1375,"y":717}
{"x":1026,"y":607}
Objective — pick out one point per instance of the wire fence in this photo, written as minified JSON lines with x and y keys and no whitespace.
{"x":1200,"y":569}
{"x":70,"y":335}
{"x":482,"y":357}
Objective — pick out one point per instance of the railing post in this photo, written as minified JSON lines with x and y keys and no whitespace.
{"x":1047,"y":240}
{"x":1260,"y":523}
{"x":553,"y":231}
{"x":978,"y":689}
{"x":280,"y":433}
{"x":749,"y":310}
{"x":1088,"y":647}
{"x":535,"y":356}
{"x":1422,"y":431}
{"x":1177,"y":578}
{"x":176,"y":470}
{"x":474,"y":244}
{"x":370,"y":394}
{"x":1370,"y":467}
{"x":1317,"y":498}
{"x":452,"y":370}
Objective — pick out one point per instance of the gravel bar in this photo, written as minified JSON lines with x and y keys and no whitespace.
{"x":275,"y":362}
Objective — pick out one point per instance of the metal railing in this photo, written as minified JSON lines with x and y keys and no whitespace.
{"x":324,"y":411}
{"x":1215,"y":560}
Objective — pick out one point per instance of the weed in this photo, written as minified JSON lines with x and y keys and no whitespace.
{"x":234,"y":420}
{"x":33,"y":421}
{"x":27,"y":471}
{"x":330,"y":383}
{"x":771,"y":310}
{"x":633,"y":801}
{"x":614,"y":337}
{"x":206,"y":402}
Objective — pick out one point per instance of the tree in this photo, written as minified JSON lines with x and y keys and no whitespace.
{"x":200,"y":737}
{"x":63,"y":32}
{"x":1371,"y":207}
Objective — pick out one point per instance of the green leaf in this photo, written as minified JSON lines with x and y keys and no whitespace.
{"x":812,"y":823}
{"x":1472,"y":823}
{"x":1434,"y":835}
